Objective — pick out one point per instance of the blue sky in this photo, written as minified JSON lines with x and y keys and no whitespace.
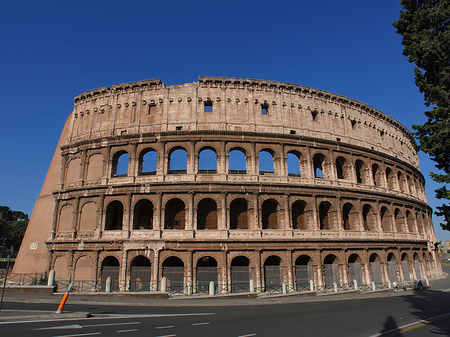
{"x":52,"y":51}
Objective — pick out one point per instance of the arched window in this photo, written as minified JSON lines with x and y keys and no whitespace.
{"x":293,"y":163}
{"x":354,"y":269}
{"x":304,"y":272}
{"x":369,"y":219}
{"x":207,"y":214}
{"x":376,"y":174}
{"x":239,"y":214}
{"x":207,"y":161}
{"x":390,"y":178}
{"x":173,"y":271}
{"x":386,"y":219}
{"x":178,"y":161}
{"x":392,"y":268}
{"x":272,"y":274}
{"x":110,"y":268}
{"x":343,"y":169}
{"x":410,"y":222}
{"x":411,"y":185}
{"x":375,"y":269}
{"x":361,"y":172}
{"x":405,"y":267}
{"x":148,"y":159}
{"x":350,"y":217}
{"x":325,"y":218}
{"x":331,"y":270}
{"x":140,"y":274}
{"x":114,"y":215}
{"x":237,"y":163}
{"x":206,"y":273}
{"x":240,"y":274}
{"x":318,"y":165}
{"x":298,"y":215}
{"x":266,"y":162}
{"x":143,"y":215}
{"x":399,"y":221}
{"x":401,"y":182}
{"x":419,"y":223}
{"x":270,"y":214}
{"x":175,"y":214}
{"x":120,"y":164}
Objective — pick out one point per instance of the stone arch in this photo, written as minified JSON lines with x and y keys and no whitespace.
{"x":237,"y":161}
{"x":410,"y":222}
{"x":326,"y":216}
{"x":390,"y":178}
{"x":206,"y":272}
{"x":298,"y":212}
{"x":88,"y":217}
{"x":173,"y":271}
{"x":207,"y":160}
{"x":73,"y":170}
{"x":411,"y":186}
{"x":293,"y":161}
{"x":240,"y":274}
{"x":207,"y":214}
{"x":350,"y":217}
{"x":343,"y":169}
{"x":119,"y":167}
{"x":270,"y":210}
{"x":61,"y":267}
{"x":239,"y":217}
{"x":177,"y":160}
{"x":376,"y":274}
{"x":84,"y":269}
{"x":110,"y":267}
{"x":318,"y":162}
{"x":140,"y":274}
{"x":405,"y":267}
{"x":266,"y":161}
{"x":304,"y":272}
{"x":361,"y":171}
{"x":377,"y":175}
{"x":417,"y":262}
{"x":369,"y":218}
{"x":355,"y":268}
{"x":273,"y":275}
{"x":331,"y":270}
{"x":114,"y":215}
{"x":65,"y":218}
{"x":94,"y":167}
{"x":419,"y":223}
{"x":399,"y":220}
{"x":401,"y":182}
{"x":386,"y":219}
{"x":175,"y":214}
{"x":392,"y":267}
{"x":148,"y":162}
{"x":143,"y":215}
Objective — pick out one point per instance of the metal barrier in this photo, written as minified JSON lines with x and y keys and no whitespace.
{"x":24,"y":279}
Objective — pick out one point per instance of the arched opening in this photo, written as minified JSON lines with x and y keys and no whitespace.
{"x":350,"y":217}
{"x":417,"y":269}
{"x":207,"y":214}
{"x":110,"y":268}
{"x":386,"y":219}
{"x":375,"y":269}
{"x":177,"y":161}
{"x":140,"y":274}
{"x":266,"y":165}
{"x":239,"y":214}
{"x":148,"y":160}
{"x":370,"y":222}
{"x":343,"y":169}
{"x":293,"y":164}
{"x":355,"y":269}
{"x":270,"y":214}
{"x":173,"y":271}
{"x":390,"y":178}
{"x":206,"y":272}
{"x":237,"y":162}
{"x":401,"y":182}
{"x":298,"y":215}
{"x":304,"y":273}
{"x":419,"y":223}
{"x":175,"y":214}
{"x":325,"y":216}
{"x":207,"y":161}
{"x":240,"y":274}
{"x":143,"y":215}
{"x":114,"y":215}
{"x":318,"y":160}
{"x":331,"y":270}
{"x":411,"y":185}
{"x":410,"y":222}
{"x":392,"y":268}
{"x":84,"y":270}
{"x":272,"y":274}
{"x":399,"y":221}
{"x":361,"y":172}
{"x":377,"y":175}
{"x":119,"y":166}
{"x":405,"y":267}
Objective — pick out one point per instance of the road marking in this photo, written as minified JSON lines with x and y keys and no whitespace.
{"x":411,"y":326}
{"x":81,"y":334}
{"x":78,"y":326}
{"x":204,"y":323}
{"x":130,"y":330}
{"x":165,"y":327}
{"x":167,"y":336}
{"x":252,"y":334}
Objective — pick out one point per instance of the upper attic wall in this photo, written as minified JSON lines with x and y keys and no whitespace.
{"x":237,"y":105}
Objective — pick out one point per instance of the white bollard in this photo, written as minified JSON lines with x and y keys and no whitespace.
{"x":108,"y":285}
{"x":389,"y":284}
{"x":211,"y":288}
{"x":427,"y":281}
{"x":335,"y":287}
{"x":164,"y":285}
{"x":311,"y":285}
{"x":51,"y":278}
{"x":252,"y":286}
{"x":355,"y":284}
{"x":284,"y":287}
{"x":373,"y":286}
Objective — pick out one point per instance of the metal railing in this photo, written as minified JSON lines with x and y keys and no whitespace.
{"x":24,"y":279}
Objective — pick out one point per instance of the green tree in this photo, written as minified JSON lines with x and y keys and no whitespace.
{"x":424,"y":26}
{"x":12,"y":228}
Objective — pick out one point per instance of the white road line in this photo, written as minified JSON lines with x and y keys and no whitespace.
{"x":81,"y":334}
{"x":204,"y":323}
{"x":165,"y":327}
{"x":167,"y":336}
{"x":130,"y":330}
{"x":78,"y":326}
{"x":252,"y":334}
{"x":109,"y":324}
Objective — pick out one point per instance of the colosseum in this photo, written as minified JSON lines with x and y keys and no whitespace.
{"x":253,"y":185}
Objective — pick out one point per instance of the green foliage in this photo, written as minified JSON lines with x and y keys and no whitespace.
{"x":12,"y":228}
{"x":424,"y":26}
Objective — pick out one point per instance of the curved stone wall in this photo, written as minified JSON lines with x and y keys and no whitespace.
{"x":231,"y":180}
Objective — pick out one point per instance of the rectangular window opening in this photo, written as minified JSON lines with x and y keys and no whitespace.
{"x":264,"y":109}
{"x":179,"y":128}
{"x":208,"y":106}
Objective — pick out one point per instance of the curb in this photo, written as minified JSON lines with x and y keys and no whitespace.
{"x":30,"y":317}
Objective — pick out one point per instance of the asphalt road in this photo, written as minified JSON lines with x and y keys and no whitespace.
{"x":349,"y":317}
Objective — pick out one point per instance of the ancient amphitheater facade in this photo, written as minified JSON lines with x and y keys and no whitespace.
{"x":230,"y":180}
